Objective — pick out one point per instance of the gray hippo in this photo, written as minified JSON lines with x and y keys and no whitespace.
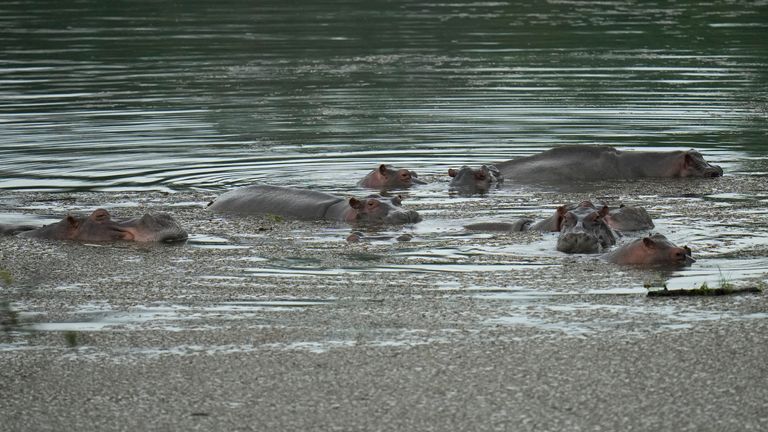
{"x":584,"y":230}
{"x":594,"y":162}
{"x":312,"y":205}
{"x":654,"y":250}
{"x":100,"y":227}
{"x":468,"y":180}
{"x":583,"y":227}
{"x":620,"y":219}
{"x":388,"y":177}
{"x":628,"y":218}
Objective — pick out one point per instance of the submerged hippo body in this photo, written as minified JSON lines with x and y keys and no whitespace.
{"x":100,"y":227}
{"x":570,"y":163}
{"x":306,"y":204}
{"x":468,"y":180}
{"x":654,"y":250}
{"x":388,"y":177}
{"x":516,"y":226}
{"x":627,"y":218}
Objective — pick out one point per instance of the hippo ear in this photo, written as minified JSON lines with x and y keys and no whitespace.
{"x":687,"y":250}
{"x":383,"y":169}
{"x":688,"y":160}
{"x":560,"y":213}
{"x":397,"y":200}
{"x":494,"y":171}
{"x":99,"y":215}
{"x":72,"y":222}
{"x":355,"y":203}
{"x":452,"y":172}
{"x":604,"y":211}
{"x":413,"y":174}
{"x":649,"y":243}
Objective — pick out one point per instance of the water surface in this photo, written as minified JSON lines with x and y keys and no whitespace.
{"x":195,"y":98}
{"x":153,"y":96}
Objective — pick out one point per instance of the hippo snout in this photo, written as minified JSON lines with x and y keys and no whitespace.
{"x":403,"y":217}
{"x":714,"y":171}
{"x":411,"y":216}
{"x":159,"y":227}
{"x":580,"y":242}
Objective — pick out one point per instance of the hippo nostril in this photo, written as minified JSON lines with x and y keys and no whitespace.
{"x":174,"y":237}
{"x":578,"y":243}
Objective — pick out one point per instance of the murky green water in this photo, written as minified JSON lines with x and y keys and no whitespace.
{"x":152,"y":95}
{"x":195,"y":98}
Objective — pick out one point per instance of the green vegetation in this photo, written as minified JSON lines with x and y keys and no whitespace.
{"x":651,"y":284}
{"x":725,"y":284}
{"x":274,"y":218}
{"x":705,"y":290}
{"x":725,"y":287}
{"x":71,"y":338}
{"x":5,"y":277}
{"x":9,"y":318}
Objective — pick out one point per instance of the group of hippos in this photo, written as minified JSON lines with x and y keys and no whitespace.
{"x":584,"y":227}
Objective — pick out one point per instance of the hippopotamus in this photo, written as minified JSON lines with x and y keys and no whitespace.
{"x":306,"y":204}
{"x":388,"y":177}
{"x":598,"y":162}
{"x":583,"y":229}
{"x":626,"y":218}
{"x":468,"y":180}
{"x":100,"y":227}
{"x":654,"y":250}
{"x":620,"y":219}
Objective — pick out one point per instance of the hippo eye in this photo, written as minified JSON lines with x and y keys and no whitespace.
{"x":100,"y":215}
{"x":480,"y":176}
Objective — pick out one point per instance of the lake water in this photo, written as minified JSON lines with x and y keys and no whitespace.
{"x":151,"y":95}
{"x":195,"y":98}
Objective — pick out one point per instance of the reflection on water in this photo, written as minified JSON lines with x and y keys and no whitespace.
{"x":100,"y":316}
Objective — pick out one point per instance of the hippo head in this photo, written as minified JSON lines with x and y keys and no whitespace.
{"x":99,"y":227}
{"x":692,"y":164}
{"x":583,"y":229}
{"x":656,"y":250}
{"x":157,"y":227}
{"x":390,"y":177}
{"x":376,"y":209}
{"x":471,"y":180}
{"x":627,"y":218}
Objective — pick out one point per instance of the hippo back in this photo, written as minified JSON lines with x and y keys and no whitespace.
{"x":283,"y":201}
